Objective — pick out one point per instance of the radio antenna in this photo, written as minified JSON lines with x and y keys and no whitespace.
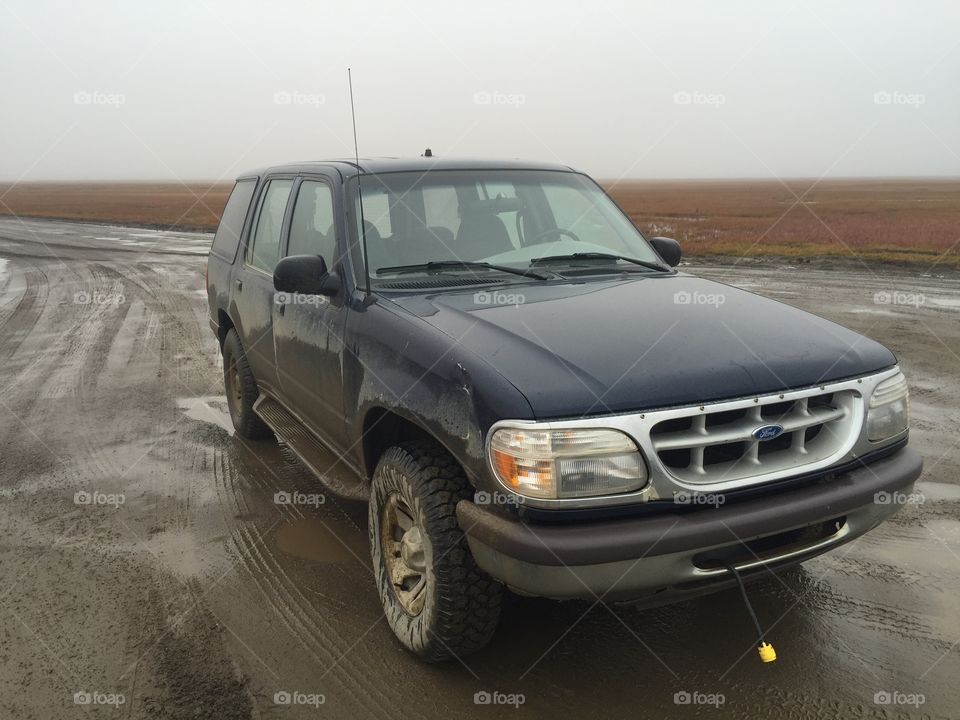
{"x":356,"y":153}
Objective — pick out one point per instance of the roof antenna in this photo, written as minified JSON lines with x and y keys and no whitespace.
{"x":427,"y":153}
{"x":356,"y":152}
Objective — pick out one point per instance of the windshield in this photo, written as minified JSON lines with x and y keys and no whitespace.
{"x":502,"y":217}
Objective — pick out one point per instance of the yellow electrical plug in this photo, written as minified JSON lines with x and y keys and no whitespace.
{"x":767,"y":653}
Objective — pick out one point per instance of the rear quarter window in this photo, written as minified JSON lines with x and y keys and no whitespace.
{"x":227,"y":239}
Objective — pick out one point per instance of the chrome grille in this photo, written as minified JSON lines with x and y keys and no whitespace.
{"x":718,"y":445}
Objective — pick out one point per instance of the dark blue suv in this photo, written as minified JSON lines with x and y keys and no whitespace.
{"x":531,"y":396}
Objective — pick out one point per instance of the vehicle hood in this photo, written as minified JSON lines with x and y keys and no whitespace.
{"x":644,"y":342}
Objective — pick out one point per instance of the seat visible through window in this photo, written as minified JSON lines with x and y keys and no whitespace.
{"x":311,"y":227}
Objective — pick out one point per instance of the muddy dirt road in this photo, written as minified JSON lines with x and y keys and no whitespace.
{"x":146,"y":571}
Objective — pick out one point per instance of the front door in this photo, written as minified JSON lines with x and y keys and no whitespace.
{"x":308,"y":329}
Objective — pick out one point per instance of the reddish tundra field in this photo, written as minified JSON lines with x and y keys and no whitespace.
{"x":895,"y":220}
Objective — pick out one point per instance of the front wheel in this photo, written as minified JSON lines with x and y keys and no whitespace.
{"x":437,"y":601}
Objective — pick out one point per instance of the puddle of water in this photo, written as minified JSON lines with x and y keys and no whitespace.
{"x":321,"y":541}
{"x":211,"y":409}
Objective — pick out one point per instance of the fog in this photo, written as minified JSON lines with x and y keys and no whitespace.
{"x":181,"y":91}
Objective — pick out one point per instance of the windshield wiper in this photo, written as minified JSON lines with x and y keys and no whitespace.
{"x":443,"y":265}
{"x":597,"y":256}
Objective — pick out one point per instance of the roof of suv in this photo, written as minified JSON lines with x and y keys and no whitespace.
{"x":348,"y":166}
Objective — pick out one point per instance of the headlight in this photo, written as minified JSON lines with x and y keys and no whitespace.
{"x":566,"y":463}
{"x":888,"y":413}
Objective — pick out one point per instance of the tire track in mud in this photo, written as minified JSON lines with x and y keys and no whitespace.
{"x":884,"y":572}
{"x":340,"y":660}
{"x":791,"y":705}
{"x":186,"y":666}
{"x":183,"y":669}
{"x":875,"y":615}
{"x":24,"y":316}
{"x":141,"y":358}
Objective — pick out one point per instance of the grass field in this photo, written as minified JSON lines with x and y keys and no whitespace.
{"x":915,"y":221}
{"x":896,"y":220}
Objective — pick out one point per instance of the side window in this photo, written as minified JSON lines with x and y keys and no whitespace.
{"x":231,"y":222}
{"x":264,"y":250}
{"x":311,"y":227}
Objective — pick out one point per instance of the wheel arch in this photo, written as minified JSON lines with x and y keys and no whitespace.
{"x":385,"y":427}
{"x":224,"y":325}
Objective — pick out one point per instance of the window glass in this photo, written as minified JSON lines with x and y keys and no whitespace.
{"x":498,"y":189}
{"x":376,"y":209}
{"x":265,"y":249}
{"x":441,"y":207}
{"x":311,"y":227}
{"x":474,"y":215}
{"x":231,"y":222}
{"x":584,"y":215}
{"x":503,"y":189}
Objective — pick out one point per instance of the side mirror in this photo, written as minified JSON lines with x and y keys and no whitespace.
{"x":305,"y":275}
{"x":668,"y":249}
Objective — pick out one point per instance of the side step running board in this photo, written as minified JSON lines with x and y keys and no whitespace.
{"x":336,"y":475}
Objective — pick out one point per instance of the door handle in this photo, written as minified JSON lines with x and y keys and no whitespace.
{"x":239,"y":283}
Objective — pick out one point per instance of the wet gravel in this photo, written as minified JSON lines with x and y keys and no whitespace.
{"x":146,"y":571}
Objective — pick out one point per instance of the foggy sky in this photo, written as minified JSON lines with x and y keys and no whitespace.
{"x":205,"y":90}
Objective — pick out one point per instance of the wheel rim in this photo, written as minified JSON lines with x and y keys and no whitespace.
{"x":404,"y":555}
{"x":234,"y":391}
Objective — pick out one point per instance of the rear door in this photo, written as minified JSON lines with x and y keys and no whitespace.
{"x":252,"y":289}
{"x":223,"y":252}
{"x":308,"y":329}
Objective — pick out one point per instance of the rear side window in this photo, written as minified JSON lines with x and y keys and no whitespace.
{"x":311,"y":227}
{"x":264,"y":250}
{"x":231,"y":222}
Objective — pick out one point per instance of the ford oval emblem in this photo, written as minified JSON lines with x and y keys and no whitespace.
{"x":767,"y":432}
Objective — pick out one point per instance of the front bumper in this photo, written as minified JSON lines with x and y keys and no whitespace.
{"x":666,"y":557}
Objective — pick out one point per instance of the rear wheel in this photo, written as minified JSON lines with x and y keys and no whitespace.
{"x":242,"y":391}
{"x":437,"y":601}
